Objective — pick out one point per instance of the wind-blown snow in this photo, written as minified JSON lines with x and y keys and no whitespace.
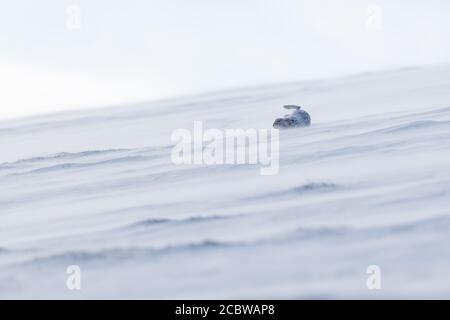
{"x":367,"y":184}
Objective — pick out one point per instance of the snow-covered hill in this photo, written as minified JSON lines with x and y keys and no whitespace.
{"x":367,"y":184}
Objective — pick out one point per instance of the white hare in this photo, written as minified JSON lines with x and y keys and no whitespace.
{"x":298,"y":118}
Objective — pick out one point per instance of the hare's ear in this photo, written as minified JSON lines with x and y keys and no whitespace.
{"x":291,"y":106}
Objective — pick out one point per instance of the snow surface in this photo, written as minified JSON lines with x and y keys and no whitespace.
{"x":367,"y":184}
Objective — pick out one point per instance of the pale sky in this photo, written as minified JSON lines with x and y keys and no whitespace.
{"x":135,"y":50}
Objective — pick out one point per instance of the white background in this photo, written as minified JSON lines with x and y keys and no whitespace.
{"x":128,"y":51}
